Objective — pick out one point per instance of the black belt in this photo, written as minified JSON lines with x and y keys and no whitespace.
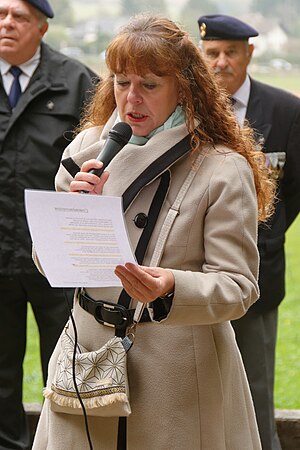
{"x":111,"y":314}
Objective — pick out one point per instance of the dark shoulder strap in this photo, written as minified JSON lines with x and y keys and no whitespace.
{"x":157,"y":202}
{"x":150,"y":173}
{"x":155,"y":169}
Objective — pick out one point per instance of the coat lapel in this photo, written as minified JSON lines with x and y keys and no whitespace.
{"x":136,"y":166}
{"x":257,"y":114}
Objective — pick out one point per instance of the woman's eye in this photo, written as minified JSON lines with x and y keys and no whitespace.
{"x":122,"y":83}
{"x":150,"y":86}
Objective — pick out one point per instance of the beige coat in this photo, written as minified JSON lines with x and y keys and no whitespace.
{"x":188,"y":389}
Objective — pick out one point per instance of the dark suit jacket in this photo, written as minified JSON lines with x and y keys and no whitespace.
{"x":32,"y":140}
{"x":275,"y":115}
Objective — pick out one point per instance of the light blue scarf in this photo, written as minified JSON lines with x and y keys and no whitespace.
{"x":176,"y":118}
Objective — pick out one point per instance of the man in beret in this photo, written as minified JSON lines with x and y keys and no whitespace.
{"x":42,"y":93}
{"x":275,"y":116}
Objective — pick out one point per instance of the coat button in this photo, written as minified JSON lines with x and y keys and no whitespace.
{"x":141,"y":220}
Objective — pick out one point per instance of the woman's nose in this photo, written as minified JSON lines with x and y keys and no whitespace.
{"x":134,"y":96}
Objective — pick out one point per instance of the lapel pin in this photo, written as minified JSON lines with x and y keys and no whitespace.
{"x":50,"y":105}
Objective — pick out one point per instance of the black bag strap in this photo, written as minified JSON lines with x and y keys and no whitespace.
{"x":157,"y":167}
{"x":157,"y":202}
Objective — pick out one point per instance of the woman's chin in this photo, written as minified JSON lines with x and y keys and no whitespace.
{"x":139,"y":131}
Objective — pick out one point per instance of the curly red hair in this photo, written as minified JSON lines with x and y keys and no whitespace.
{"x":158,"y":45}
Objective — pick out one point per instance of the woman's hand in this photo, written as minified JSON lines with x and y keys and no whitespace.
{"x":88,"y":182}
{"x":145,"y":284}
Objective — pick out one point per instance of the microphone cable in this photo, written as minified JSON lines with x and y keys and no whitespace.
{"x":118,"y":137}
{"x":73,"y":371}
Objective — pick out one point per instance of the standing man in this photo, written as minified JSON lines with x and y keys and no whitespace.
{"x":275,"y":116}
{"x":42,"y":93}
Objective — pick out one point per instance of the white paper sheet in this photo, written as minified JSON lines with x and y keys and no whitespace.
{"x":79,"y":238}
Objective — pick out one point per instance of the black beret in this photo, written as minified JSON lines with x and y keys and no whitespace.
{"x":43,"y":6}
{"x":222,"y":27}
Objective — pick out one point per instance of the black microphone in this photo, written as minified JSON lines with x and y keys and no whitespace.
{"x":118,"y":137}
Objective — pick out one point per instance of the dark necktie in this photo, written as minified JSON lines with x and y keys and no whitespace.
{"x":233,"y":101}
{"x":15,"y":90}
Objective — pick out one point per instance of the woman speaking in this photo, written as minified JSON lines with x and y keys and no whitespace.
{"x":194,"y":181}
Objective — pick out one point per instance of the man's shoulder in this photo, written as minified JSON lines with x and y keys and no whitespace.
{"x":273,"y":94}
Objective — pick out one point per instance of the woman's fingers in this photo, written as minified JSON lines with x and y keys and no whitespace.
{"x":91,"y":164}
{"x":132,"y":284}
{"x":145,"y":283}
{"x":89,"y":182}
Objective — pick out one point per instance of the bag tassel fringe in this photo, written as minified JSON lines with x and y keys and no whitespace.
{"x":88,"y":402}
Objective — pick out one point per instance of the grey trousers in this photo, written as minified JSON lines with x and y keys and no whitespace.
{"x":256,"y":337}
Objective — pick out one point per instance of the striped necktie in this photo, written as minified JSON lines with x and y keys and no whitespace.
{"x":15,"y":90}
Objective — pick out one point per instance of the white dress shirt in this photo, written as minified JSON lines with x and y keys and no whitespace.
{"x":241,"y":97}
{"x":27,"y":68}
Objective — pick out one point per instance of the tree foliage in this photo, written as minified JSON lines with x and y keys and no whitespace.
{"x":132,"y":7}
{"x":288,"y":12}
{"x":192,"y":10}
{"x":63,"y":12}
{"x":275,"y":7}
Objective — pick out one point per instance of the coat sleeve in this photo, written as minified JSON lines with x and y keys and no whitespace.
{"x":85,"y":146}
{"x":226,"y":284}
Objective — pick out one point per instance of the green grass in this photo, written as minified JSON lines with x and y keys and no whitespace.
{"x":285,"y":80}
{"x":32,"y":382}
{"x":287,"y":376}
{"x":287,"y":380}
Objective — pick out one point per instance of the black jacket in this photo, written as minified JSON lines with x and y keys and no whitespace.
{"x":275,"y":115}
{"x":32,"y":139}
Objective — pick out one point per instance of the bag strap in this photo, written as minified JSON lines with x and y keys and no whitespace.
{"x":167,"y":225}
{"x":154,"y":210}
{"x":157,"y":168}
